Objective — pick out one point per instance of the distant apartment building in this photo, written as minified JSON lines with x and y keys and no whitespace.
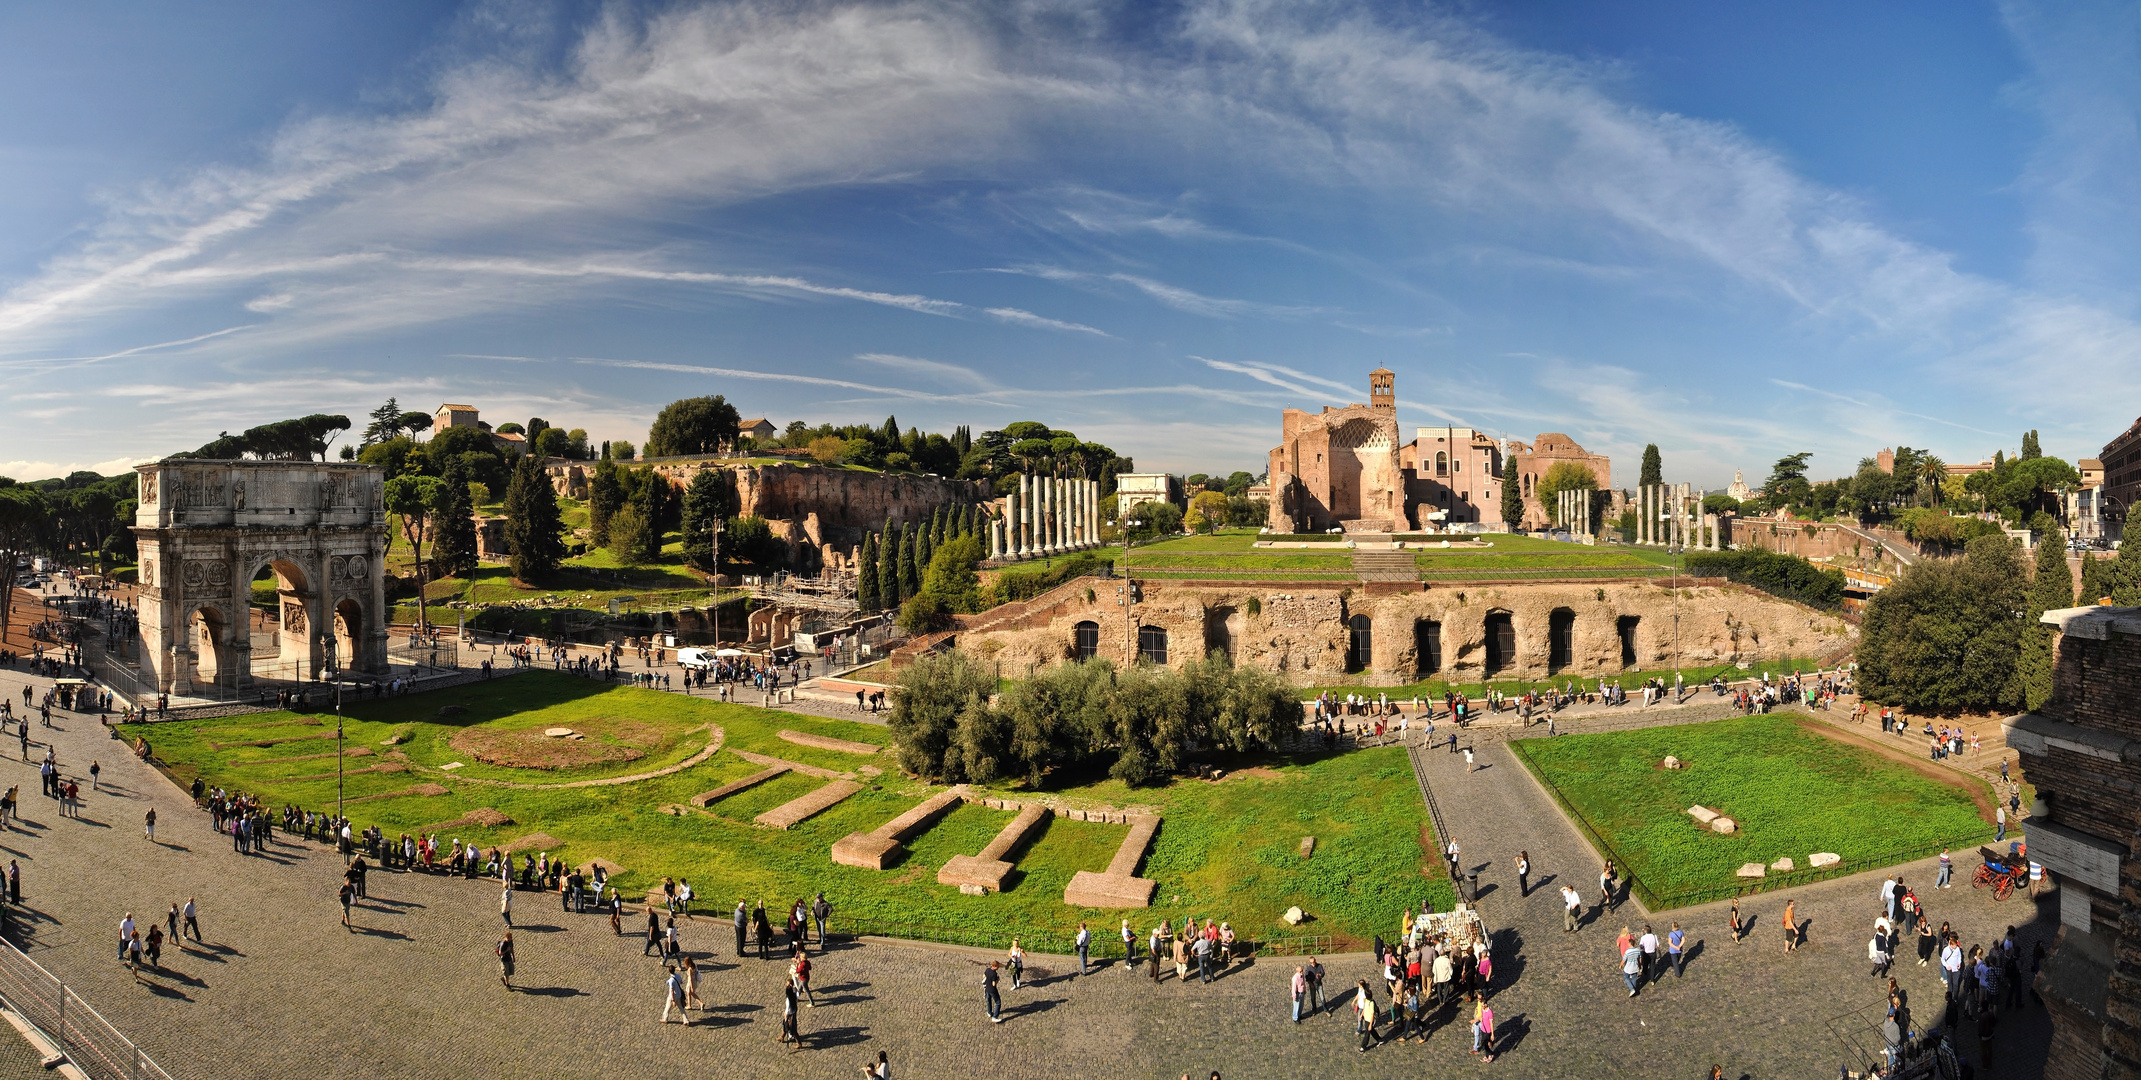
{"x":2121,"y":465}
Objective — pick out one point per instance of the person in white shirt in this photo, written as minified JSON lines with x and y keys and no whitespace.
{"x":126,"y":933}
{"x":1649,"y":944}
{"x":1573,"y":902}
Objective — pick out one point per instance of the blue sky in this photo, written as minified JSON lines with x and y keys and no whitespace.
{"x":1739,"y":234}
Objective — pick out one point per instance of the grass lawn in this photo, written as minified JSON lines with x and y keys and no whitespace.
{"x":1435,"y":688}
{"x":1227,"y":849}
{"x":1792,"y":791}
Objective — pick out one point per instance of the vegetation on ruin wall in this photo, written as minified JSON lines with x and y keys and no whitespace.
{"x":1363,"y":808}
{"x":1787,"y":576}
{"x":1028,"y":580}
{"x":1695,"y":676}
{"x":1792,"y":792}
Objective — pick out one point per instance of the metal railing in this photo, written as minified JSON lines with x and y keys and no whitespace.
{"x":80,"y":1032}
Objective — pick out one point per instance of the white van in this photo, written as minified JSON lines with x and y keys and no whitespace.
{"x":695,"y":658}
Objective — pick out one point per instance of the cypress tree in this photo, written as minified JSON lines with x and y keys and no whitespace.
{"x":910,"y":574}
{"x":1512,"y":496}
{"x":453,"y":551}
{"x":923,"y":549}
{"x":2051,"y":587}
{"x":1653,"y":466}
{"x":2030,"y":447}
{"x":653,"y":506}
{"x":866,"y":575}
{"x":936,"y":528}
{"x":2094,"y":587}
{"x":2122,"y":576}
{"x":888,"y":570}
{"x":532,"y":522}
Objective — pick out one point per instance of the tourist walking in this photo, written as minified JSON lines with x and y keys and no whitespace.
{"x":743,"y":921}
{"x":1523,"y":873}
{"x":1947,"y":868}
{"x":820,"y":912}
{"x":673,"y":999}
{"x":148,"y":825}
{"x":791,"y":1018}
{"x":1363,"y":1014}
{"x":1675,"y":950}
{"x":192,"y":924}
{"x":1572,"y":905}
{"x":1791,"y":927}
{"x":505,"y":960}
{"x":505,"y":904}
{"x":348,"y":895}
{"x":1299,"y":985}
{"x":1631,"y":965}
{"x":1084,"y":943}
{"x":991,"y":998}
{"x":1739,"y":929}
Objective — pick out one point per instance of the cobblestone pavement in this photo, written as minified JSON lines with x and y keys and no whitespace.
{"x":281,"y":989}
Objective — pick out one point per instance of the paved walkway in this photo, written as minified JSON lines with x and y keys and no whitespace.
{"x":282,"y":990}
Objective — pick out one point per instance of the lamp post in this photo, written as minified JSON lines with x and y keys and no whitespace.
{"x":1130,"y":593}
{"x":1675,"y":550}
{"x":336,"y":672}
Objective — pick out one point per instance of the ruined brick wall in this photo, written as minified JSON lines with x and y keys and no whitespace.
{"x":1303,"y":633}
{"x":823,"y":511}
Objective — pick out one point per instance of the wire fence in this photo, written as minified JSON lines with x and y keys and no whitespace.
{"x":80,"y":1032}
{"x":1107,"y":942}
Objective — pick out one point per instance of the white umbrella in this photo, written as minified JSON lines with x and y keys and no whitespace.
{"x":728,"y":652}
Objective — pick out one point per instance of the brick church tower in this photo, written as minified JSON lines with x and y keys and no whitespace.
{"x":1383,"y":389}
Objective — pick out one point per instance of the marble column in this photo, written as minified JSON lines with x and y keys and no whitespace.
{"x":1019,"y":513}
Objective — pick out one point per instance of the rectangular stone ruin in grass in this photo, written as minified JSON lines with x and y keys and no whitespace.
{"x":875,"y":849}
{"x":795,"y":811}
{"x":707,"y":798}
{"x":1118,"y":886}
{"x":988,"y":870}
{"x":827,"y":742}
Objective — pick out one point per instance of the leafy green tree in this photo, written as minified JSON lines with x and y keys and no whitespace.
{"x":1653,"y":466}
{"x":1946,"y":634}
{"x":621,"y":450}
{"x":532,"y":523}
{"x":705,"y":504}
{"x":1787,"y":484}
{"x":453,"y":551}
{"x":866,"y":575}
{"x":416,"y":499}
{"x":927,"y":704}
{"x":951,"y":579}
{"x":749,"y":538}
{"x":628,"y":535}
{"x":385,"y":424}
{"x":700,"y":425}
{"x":605,"y":495}
{"x":2051,"y":587}
{"x":1773,"y":572}
{"x":25,"y":517}
{"x":1565,"y":476}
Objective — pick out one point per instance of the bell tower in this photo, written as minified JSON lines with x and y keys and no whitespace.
{"x":1382,"y":388}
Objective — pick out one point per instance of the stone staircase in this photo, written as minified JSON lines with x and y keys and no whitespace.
{"x":1385,"y":566}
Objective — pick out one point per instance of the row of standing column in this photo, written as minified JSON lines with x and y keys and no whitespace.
{"x":1672,"y":515}
{"x":1046,"y":515}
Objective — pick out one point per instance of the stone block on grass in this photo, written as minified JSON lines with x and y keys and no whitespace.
{"x":707,"y":798}
{"x":1753,"y":870}
{"x":1782,"y":865}
{"x":1703,"y":814}
{"x":1090,"y":890}
{"x":1725,"y":825}
{"x":1824,"y":858}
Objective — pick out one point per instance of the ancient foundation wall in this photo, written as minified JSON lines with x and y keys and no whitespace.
{"x":1306,"y":633}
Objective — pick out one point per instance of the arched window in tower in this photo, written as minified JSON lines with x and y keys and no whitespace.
{"x":1442,"y":463}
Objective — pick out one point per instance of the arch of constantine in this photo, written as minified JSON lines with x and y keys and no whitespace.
{"x":207,"y":529}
